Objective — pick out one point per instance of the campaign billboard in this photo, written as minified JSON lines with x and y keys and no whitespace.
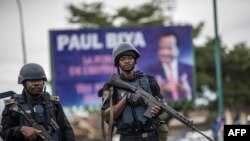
{"x":82,"y":60}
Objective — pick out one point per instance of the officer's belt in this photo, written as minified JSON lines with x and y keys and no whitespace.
{"x":141,"y":134}
{"x":134,"y":131}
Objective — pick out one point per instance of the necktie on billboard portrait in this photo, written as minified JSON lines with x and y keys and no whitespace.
{"x":173,"y":83}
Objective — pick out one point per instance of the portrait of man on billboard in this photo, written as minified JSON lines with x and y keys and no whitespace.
{"x":173,"y":76}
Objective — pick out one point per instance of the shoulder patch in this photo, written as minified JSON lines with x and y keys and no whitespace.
{"x":55,"y":98}
{"x":9,"y":101}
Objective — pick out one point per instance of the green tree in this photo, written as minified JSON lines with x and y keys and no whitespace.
{"x":236,"y":68}
{"x":93,"y":15}
{"x":89,"y":15}
{"x":148,"y":14}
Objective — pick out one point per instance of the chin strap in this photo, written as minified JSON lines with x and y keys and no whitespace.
{"x":44,"y":87}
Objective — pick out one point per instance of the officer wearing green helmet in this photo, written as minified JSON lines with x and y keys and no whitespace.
{"x":127,"y":108}
{"x":42,"y":108}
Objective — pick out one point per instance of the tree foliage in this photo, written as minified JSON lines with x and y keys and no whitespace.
{"x":148,"y":14}
{"x":236,"y":66}
{"x":92,"y":15}
{"x":89,"y":15}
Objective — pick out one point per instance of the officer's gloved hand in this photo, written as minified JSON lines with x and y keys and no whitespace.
{"x":134,"y":99}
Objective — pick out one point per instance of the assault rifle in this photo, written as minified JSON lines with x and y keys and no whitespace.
{"x":151,"y":101}
{"x":16,"y":107}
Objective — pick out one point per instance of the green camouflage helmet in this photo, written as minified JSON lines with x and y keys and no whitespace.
{"x":121,"y":48}
{"x":31,"y":71}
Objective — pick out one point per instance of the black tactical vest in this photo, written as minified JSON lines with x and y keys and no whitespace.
{"x":132,"y":115}
{"x":41,"y":114}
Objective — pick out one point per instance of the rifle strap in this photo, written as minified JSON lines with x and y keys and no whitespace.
{"x":18,"y":108}
{"x":111,"y":116}
{"x":135,"y":117}
{"x":21,"y":105}
{"x":108,"y":94}
{"x":103,"y":129}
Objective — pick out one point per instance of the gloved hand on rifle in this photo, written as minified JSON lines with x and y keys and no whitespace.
{"x":134,"y":99}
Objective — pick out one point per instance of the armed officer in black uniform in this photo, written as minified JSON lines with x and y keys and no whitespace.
{"x":128,"y":108}
{"x":42,"y":108}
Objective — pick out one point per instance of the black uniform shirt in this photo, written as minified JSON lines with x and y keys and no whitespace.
{"x":11,"y":124}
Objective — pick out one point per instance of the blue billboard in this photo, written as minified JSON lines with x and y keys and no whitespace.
{"x":82,"y":60}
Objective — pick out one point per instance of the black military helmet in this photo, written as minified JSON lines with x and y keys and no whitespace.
{"x":122,"y":49}
{"x":31,"y":71}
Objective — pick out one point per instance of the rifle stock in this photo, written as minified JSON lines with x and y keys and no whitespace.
{"x":6,"y":94}
{"x":151,"y":101}
{"x":116,"y":81}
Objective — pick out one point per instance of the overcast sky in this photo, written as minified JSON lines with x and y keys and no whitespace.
{"x":40,"y":16}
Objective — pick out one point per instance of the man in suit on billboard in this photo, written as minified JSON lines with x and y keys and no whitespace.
{"x":172,"y":75}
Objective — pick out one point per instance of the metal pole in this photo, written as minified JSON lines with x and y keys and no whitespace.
{"x":20,"y":11}
{"x":217,"y":54}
